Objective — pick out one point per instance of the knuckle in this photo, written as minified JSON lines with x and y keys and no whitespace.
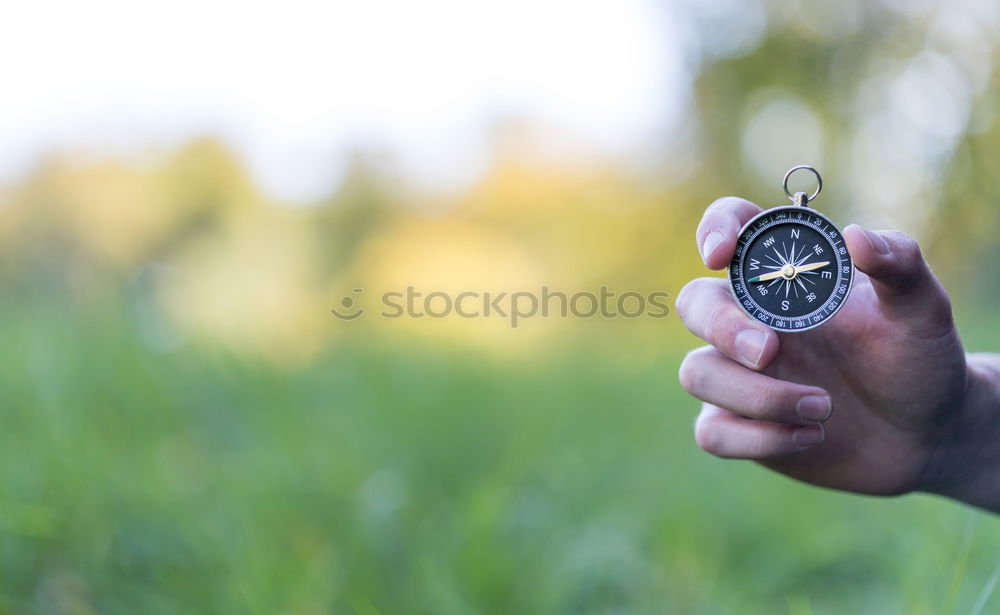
{"x":759,"y":446}
{"x":911,"y":259}
{"x":907,"y":269}
{"x":683,"y":297}
{"x":719,"y":214}
{"x":714,"y":207}
{"x":687,"y":298}
{"x":908,"y":246}
{"x":778,"y":402}
{"x":761,"y":403}
{"x":716,"y":318}
{"x":689,"y":374}
{"x":940,"y":306}
{"x":901,"y":242}
{"x":707,"y":437}
{"x":710,"y":435}
{"x":702,"y":307}
{"x":937,"y":318}
{"x":720,"y":201}
{"x":722,"y":322}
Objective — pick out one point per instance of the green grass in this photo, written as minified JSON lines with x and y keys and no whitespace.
{"x":413,"y":479}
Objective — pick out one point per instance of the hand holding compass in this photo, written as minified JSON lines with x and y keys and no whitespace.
{"x":856,"y":403}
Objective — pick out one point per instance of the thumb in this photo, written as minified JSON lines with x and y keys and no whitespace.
{"x":902,"y":279}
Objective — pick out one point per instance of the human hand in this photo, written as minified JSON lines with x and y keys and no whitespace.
{"x":860,"y":403}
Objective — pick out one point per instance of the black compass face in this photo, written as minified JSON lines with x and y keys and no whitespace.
{"x":791,"y":270}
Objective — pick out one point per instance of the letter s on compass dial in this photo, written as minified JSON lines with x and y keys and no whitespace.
{"x":791,"y":270}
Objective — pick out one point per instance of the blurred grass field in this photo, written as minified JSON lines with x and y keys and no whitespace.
{"x":409,"y":478}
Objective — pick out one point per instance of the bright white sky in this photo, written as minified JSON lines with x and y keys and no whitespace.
{"x":291,"y":85}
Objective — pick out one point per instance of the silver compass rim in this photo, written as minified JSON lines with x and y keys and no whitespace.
{"x":850,"y":283}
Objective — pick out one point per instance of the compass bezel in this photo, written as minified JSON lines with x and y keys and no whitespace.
{"x":752,"y":230}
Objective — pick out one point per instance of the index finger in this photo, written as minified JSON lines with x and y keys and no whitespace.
{"x":719,"y":228}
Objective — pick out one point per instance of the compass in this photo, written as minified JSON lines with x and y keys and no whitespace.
{"x":791,"y":270}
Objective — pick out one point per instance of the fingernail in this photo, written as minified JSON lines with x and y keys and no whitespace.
{"x":750,"y":345}
{"x":811,"y":435}
{"x":712,"y":241}
{"x":877,"y":242}
{"x":814,"y":408}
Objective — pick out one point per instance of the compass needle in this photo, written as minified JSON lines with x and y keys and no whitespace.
{"x":808,"y":268}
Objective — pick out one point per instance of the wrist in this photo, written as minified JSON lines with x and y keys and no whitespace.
{"x":964,"y":463}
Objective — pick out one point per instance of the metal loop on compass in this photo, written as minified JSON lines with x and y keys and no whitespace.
{"x":819,"y":182}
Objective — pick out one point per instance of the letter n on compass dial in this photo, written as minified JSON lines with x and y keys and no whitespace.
{"x":791,"y":269}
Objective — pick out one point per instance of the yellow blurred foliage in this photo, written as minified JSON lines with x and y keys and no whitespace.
{"x":258,"y":277}
{"x":450,"y":255}
{"x":252,"y":286}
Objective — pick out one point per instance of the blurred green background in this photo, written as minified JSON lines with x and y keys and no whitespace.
{"x":186,"y":428}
